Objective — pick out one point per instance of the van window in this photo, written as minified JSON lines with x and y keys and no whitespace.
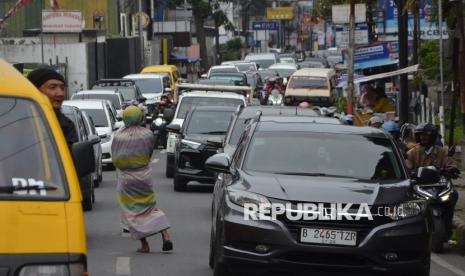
{"x":308,"y":82}
{"x":30,"y":165}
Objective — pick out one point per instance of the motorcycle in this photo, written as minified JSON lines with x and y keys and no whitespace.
{"x":275,"y":98}
{"x":158,"y":127}
{"x":441,"y":196}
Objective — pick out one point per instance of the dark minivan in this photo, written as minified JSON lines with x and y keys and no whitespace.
{"x":345,"y":203}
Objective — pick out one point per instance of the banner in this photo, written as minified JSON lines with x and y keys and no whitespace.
{"x":341,"y":13}
{"x":342,"y":35}
{"x":280,"y":13}
{"x":373,"y":55}
{"x":61,"y":21}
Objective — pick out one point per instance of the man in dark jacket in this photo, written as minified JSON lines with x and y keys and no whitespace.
{"x":52,"y":84}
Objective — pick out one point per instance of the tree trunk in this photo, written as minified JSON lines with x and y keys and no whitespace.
{"x":201,"y":39}
{"x":461,"y":35}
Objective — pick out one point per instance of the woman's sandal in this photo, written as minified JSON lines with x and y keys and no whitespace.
{"x":167,"y":245}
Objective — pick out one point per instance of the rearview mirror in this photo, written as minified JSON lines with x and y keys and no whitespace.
{"x":173,"y":128}
{"x":83,"y":157}
{"x":427,"y":175}
{"x":217,"y":142}
{"x":218,"y":163}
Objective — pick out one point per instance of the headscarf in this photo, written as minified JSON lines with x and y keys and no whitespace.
{"x":132,"y":116}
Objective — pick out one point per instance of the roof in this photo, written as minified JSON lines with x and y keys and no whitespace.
{"x":283,"y":66}
{"x":213,"y":94}
{"x":143,"y":76}
{"x":318,"y":72}
{"x":242,"y":75}
{"x":275,"y":125}
{"x":267,"y":110}
{"x":87,"y":104}
{"x":109,"y":91}
{"x":159,"y":68}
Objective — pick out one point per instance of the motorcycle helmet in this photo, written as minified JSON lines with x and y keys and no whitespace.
{"x":375,"y":120}
{"x":429,"y":129}
{"x":391,"y":127}
{"x":348,"y":119}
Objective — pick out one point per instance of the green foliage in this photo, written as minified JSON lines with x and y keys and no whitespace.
{"x":429,"y":61}
{"x":341,"y":103}
{"x":232,"y":49}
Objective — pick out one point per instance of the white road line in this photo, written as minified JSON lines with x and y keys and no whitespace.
{"x":123,"y":266}
{"x":155,"y":161}
{"x":440,"y":261}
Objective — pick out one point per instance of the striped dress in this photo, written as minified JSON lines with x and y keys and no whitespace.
{"x":132,"y":149}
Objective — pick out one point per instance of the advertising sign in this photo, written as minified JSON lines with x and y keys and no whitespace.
{"x":264,"y":25}
{"x":280,"y":13}
{"x":341,"y":13}
{"x":61,"y":21}
{"x":374,"y":55}
{"x":342,"y":35}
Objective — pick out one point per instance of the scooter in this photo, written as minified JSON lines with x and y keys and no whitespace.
{"x":275,"y":98}
{"x":158,"y":127}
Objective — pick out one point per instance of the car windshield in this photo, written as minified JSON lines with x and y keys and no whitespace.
{"x":228,"y":77}
{"x":209,"y":122}
{"x":308,"y":82}
{"x":303,"y":153}
{"x":312,"y":65}
{"x":128,"y":93}
{"x":223,"y":70}
{"x":149,"y":85}
{"x":113,"y":98}
{"x":284,"y":72}
{"x":98,"y":117}
{"x":30,"y":165}
{"x":244,"y":67}
{"x":189,"y":102}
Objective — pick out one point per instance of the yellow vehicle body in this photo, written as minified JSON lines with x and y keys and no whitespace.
{"x":37,"y":230}
{"x":172,"y":70}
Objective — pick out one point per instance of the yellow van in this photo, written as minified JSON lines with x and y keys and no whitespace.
{"x":172,"y":70}
{"x":316,"y":85}
{"x":42,"y":230}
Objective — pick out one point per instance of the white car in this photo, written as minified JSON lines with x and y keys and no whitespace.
{"x":115,"y":97}
{"x":242,"y":66}
{"x":263,"y":60}
{"x":284,"y":70}
{"x":222,"y":69}
{"x":104,"y":120}
{"x":289,"y":60}
{"x":192,"y":99}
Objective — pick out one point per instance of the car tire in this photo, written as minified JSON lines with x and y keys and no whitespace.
{"x":87,"y":191}
{"x":439,"y":232}
{"x":180,"y":183}
{"x":169,"y":166}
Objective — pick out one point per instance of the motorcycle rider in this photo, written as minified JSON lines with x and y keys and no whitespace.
{"x":428,"y":153}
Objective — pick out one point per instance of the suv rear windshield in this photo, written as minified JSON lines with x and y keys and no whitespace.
{"x":128,"y":92}
{"x":148,"y":85}
{"x":113,"y":98}
{"x":308,"y":82}
{"x":341,"y":155}
{"x":98,"y":116}
{"x":209,"y":122}
{"x":189,"y":102}
{"x":30,"y":165}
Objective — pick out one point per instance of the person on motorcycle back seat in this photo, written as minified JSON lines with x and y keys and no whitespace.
{"x":428,"y":153}
{"x":164,"y":103}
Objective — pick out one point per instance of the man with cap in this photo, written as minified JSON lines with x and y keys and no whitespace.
{"x":52,"y":84}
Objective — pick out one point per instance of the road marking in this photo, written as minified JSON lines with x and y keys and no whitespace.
{"x":123,"y":266}
{"x":440,"y":261}
{"x":155,"y":160}
{"x":163,"y":151}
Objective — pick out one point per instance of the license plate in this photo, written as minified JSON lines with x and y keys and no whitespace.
{"x":328,"y":236}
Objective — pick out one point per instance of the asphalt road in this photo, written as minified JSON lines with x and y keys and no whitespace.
{"x":110,"y":252}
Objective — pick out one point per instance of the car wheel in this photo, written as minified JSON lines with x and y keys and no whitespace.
{"x":169,"y":166}
{"x":86,"y":188}
{"x":180,"y":183}
{"x":439,"y":231}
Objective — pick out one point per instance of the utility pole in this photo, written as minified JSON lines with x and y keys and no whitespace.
{"x":441,"y":73}
{"x":402,"y":34}
{"x":141,"y":37}
{"x":350,"y":77}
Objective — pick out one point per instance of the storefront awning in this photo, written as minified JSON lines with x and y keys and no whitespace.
{"x":405,"y":70}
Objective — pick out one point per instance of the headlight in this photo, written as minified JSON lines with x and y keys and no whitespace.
{"x":158,"y":122}
{"x":241,"y":198}
{"x":190,"y":144}
{"x":53,"y":270}
{"x":406,"y":210}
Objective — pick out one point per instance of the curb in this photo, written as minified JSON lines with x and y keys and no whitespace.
{"x":459,"y":224}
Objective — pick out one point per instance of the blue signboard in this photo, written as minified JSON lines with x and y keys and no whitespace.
{"x":264,"y":25}
{"x":374,"y":55}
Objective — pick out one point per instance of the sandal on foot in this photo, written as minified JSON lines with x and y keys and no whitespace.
{"x":167,"y":245}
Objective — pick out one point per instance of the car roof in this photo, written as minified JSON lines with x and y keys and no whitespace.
{"x":267,"y":110}
{"x":300,"y":118}
{"x":144,"y":76}
{"x":283,"y":66}
{"x":68,"y":109}
{"x":215,"y":108}
{"x":318,"y":72}
{"x":90,"y":104}
{"x":228,"y":74}
{"x":260,"y":56}
{"x":223,"y":66}
{"x":283,"y":126}
{"x":159,"y":68}
{"x":213,"y":94}
{"x":97,"y":92}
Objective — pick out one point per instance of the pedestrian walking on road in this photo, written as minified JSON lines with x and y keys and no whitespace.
{"x":131,"y":151}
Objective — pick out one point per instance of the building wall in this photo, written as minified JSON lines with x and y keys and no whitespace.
{"x":77,"y":74}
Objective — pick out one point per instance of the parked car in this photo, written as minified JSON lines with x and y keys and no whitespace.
{"x":40,"y":199}
{"x":195,"y":145}
{"x":87,"y":182}
{"x":115,"y":97}
{"x":298,"y":165}
{"x":263,"y":60}
{"x":189,"y":100}
{"x":105,"y":123}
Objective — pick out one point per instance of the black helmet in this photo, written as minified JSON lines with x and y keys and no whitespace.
{"x":429,"y":129}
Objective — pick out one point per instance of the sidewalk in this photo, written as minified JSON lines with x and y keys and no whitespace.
{"x":459,"y":217}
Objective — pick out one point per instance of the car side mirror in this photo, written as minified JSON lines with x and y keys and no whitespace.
{"x":173,"y":128}
{"x":94,"y":139}
{"x":83,"y":157}
{"x":217,"y":142}
{"x":427,"y":175}
{"x":219,"y":163}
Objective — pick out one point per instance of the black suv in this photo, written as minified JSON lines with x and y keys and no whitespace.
{"x":201,"y":135}
{"x":344,"y":194}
